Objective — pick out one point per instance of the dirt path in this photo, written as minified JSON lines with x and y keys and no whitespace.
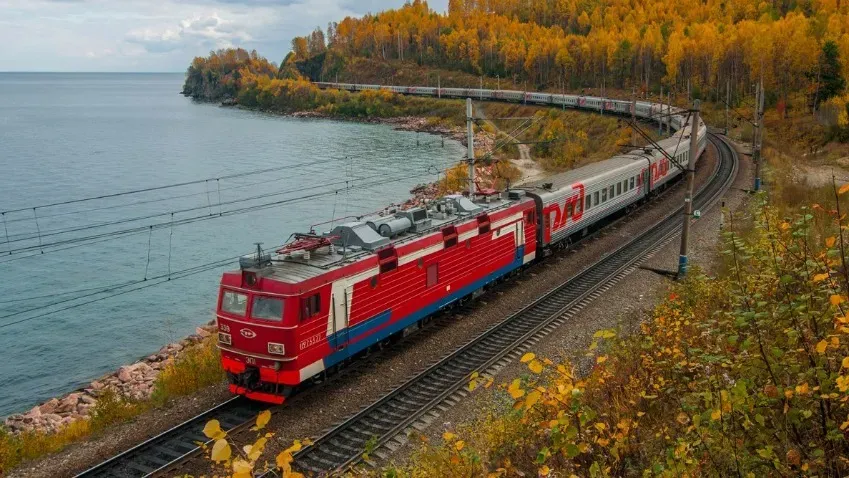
{"x":528,"y":168}
{"x":817,"y":174}
{"x":531,"y":171}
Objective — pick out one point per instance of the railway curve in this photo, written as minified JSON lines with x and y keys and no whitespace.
{"x":442,"y":385}
{"x":438,"y":386}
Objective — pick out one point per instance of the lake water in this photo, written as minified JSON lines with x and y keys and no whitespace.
{"x":70,"y":136}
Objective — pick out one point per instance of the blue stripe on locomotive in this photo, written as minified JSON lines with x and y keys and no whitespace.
{"x":374,"y":329}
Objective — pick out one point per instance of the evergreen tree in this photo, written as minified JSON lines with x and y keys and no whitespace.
{"x":830,"y":82}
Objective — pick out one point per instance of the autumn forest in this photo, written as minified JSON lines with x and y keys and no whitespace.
{"x":578,"y":44}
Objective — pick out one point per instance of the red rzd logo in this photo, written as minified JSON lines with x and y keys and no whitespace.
{"x":571,"y":208}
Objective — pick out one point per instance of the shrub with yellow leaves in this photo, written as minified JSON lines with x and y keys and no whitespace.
{"x":243,"y":463}
{"x":746,"y":374}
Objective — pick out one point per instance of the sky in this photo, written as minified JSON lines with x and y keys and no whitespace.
{"x":159,"y":35}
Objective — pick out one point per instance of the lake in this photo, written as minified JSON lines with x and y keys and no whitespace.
{"x":84,"y":285}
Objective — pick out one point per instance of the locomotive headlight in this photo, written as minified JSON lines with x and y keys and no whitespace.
{"x":224,"y":338}
{"x":277,"y":349}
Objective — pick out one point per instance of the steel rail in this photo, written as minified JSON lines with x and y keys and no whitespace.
{"x":442,"y":384}
{"x":173,"y":446}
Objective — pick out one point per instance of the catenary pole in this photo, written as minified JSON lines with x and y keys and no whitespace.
{"x":660,"y":114}
{"x":634,"y":116}
{"x":669,"y":112}
{"x":471,"y":147}
{"x":727,"y":103}
{"x":683,"y":264}
{"x":758,"y":136}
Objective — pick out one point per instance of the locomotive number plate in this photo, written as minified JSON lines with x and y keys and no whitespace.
{"x":309,"y":341}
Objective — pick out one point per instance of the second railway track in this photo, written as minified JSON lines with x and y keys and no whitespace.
{"x":386,"y":422}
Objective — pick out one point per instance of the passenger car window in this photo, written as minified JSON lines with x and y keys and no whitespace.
{"x":267,"y":308}
{"x":234,"y":303}
{"x":603,"y":195}
{"x":632,"y":183}
{"x":589,"y":202}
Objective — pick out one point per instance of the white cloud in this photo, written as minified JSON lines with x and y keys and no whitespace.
{"x":201,"y":31}
{"x":155,"y":41}
{"x":158,"y":35}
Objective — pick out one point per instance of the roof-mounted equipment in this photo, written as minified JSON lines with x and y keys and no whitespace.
{"x":463,"y":205}
{"x":390,"y":226}
{"x":357,"y":235}
{"x":418,"y":218}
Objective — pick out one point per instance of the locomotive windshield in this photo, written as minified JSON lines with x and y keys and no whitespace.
{"x":267,"y":308}
{"x":234,"y":303}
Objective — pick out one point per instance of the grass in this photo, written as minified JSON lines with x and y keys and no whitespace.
{"x":741,"y":374}
{"x":197,"y":368}
{"x":109,"y":410}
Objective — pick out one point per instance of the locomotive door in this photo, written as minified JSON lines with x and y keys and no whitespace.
{"x":341,"y":296}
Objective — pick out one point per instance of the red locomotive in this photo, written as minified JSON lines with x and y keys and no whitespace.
{"x":327,"y":297}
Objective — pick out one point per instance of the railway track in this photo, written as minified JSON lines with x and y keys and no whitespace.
{"x":417,"y":402}
{"x":162,"y":452}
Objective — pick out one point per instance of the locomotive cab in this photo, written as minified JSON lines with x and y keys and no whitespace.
{"x":257,"y":326}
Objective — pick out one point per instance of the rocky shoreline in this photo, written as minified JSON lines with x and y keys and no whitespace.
{"x":131,"y":382}
{"x":136,"y":381}
{"x":416,"y":124}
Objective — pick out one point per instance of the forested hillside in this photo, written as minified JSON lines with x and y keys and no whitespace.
{"x":621,"y":43}
{"x":694,"y":48}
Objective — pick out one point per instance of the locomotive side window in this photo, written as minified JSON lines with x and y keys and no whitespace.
{"x":387,"y":259}
{"x":449,"y":236}
{"x":311,"y":306}
{"x":234,"y":303}
{"x":267,"y":308}
{"x":483,"y":224}
{"x":432,"y":275}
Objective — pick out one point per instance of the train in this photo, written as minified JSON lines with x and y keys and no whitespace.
{"x":294,"y":314}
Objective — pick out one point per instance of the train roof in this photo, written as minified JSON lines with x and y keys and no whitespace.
{"x":293,"y":266}
{"x":592,"y":170}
